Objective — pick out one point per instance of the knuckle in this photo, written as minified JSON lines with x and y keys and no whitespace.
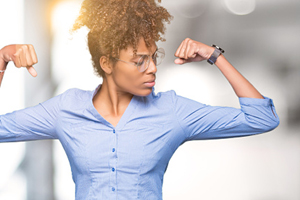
{"x":19,"y":51}
{"x":30,"y":46}
{"x":24,"y":47}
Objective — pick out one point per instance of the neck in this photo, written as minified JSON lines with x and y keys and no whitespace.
{"x":110,"y":101}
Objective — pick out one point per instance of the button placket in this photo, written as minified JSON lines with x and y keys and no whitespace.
{"x":113,"y":162}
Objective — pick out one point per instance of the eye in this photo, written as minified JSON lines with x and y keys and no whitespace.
{"x":154,"y":58}
{"x":141,"y":61}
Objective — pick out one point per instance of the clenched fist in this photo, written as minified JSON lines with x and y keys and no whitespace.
{"x":192,"y":51}
{"x":22,"y":55}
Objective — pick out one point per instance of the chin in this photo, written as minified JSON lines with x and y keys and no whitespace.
{"x":143,"y":92}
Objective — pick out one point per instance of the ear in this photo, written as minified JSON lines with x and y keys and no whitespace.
{"x":105,"y":65}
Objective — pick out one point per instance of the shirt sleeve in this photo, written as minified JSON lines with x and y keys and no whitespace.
{"x":200,"y":121}
{"x":33,"y":123}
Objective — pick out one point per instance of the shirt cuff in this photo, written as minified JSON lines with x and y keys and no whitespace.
{"x":255,"y":101}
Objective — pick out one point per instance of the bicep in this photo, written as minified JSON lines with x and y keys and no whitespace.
{"x":33,"y":123}
{"x":201,"y":121}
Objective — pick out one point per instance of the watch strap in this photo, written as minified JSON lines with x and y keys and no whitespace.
{"x":217,"y":52}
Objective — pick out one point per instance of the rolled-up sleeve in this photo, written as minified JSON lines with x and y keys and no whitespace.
{"x":200,"y":121}
{"x":33,"y":123}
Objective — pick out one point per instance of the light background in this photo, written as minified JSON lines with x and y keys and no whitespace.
{"x":260,"y":38}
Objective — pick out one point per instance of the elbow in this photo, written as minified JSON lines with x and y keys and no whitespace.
{"x":276,"y":123}
{"x":262,"y":125}
{"x":271,"y":125}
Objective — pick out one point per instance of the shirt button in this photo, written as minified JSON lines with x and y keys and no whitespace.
{"x":113,"y":150}
{"x":114,"y":131}
{"x":113,"y":169}
{"x":113,"y":189}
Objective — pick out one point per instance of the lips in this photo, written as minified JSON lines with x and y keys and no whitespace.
{"x":150,"y":83}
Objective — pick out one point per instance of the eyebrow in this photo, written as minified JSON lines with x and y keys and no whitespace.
{"x":144,"y":54}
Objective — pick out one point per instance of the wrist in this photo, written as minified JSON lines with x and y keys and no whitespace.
{"x":3,"y":64}
{"x":215,"y":54}
{"x":211,"y":50}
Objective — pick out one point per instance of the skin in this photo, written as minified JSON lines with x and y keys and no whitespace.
{"x":193,"y":51}
{"x":22,"y":56}
{"x":122,"y":81}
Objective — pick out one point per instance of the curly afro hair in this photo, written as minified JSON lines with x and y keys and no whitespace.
{"x":116,"y":24}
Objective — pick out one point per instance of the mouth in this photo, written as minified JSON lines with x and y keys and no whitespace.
{"x":150,"y":83}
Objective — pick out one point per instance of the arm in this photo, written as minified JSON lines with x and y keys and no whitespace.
{"x":21,"y":55}
{"x":32,"y":123}
{"x":199,"y":121}
{"x":192,"y":51}
{"x":2,"y":68}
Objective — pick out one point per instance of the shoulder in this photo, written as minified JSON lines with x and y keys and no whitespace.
{"x":75,"y":93}
{"x":69,"y":98}
{"x":167,"y":100}
{"x":172,"y":97}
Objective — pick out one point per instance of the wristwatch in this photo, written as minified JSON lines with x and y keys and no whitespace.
{"x":217,"y":52}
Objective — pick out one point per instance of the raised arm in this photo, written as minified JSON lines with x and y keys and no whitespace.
{"x":22,"y":56}
{"x":192,"y":51}
{"x":256,"y":115}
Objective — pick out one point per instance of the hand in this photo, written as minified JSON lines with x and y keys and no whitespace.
{"x":22,"y":55}
{"x":192,"y":51}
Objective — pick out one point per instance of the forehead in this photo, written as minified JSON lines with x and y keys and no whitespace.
{"x":140,"y":49}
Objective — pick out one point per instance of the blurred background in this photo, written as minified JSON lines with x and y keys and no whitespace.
{"x":260,"y":38}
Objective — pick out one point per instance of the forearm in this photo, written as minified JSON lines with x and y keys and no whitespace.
{"x":1,"y":77}
{"x":241,"y":86}
{"x":3,"y":65}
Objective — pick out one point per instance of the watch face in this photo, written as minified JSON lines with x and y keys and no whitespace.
{"x":219,"y":48}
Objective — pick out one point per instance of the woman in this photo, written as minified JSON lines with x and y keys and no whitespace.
{"x":120,"y":137}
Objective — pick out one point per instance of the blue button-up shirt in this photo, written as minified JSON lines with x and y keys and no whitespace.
{"x":129,"y":161}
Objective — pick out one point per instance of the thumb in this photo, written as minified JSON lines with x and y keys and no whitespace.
{"x":32,"y":71}
{"x":180,"y":61}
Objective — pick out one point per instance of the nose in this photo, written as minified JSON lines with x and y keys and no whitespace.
{"x":152,"y":69}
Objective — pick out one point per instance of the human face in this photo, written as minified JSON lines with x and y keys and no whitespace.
{"x":127,"y":78}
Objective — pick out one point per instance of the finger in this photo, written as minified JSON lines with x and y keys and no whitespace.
{"x":32,"y":71}
{"x":180,"y":61}
{"x":23,"y":57}
{"x":178,"y":50}
{"x":16,"y":58}
{"x":29,"y":61}
{"x":192,"y":52}
{"x":32,"y":54}
{"x":183,"y":49}
{"x":187,"y":50}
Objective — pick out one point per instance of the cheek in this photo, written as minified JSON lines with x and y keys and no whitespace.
{"x":127,"y":78}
